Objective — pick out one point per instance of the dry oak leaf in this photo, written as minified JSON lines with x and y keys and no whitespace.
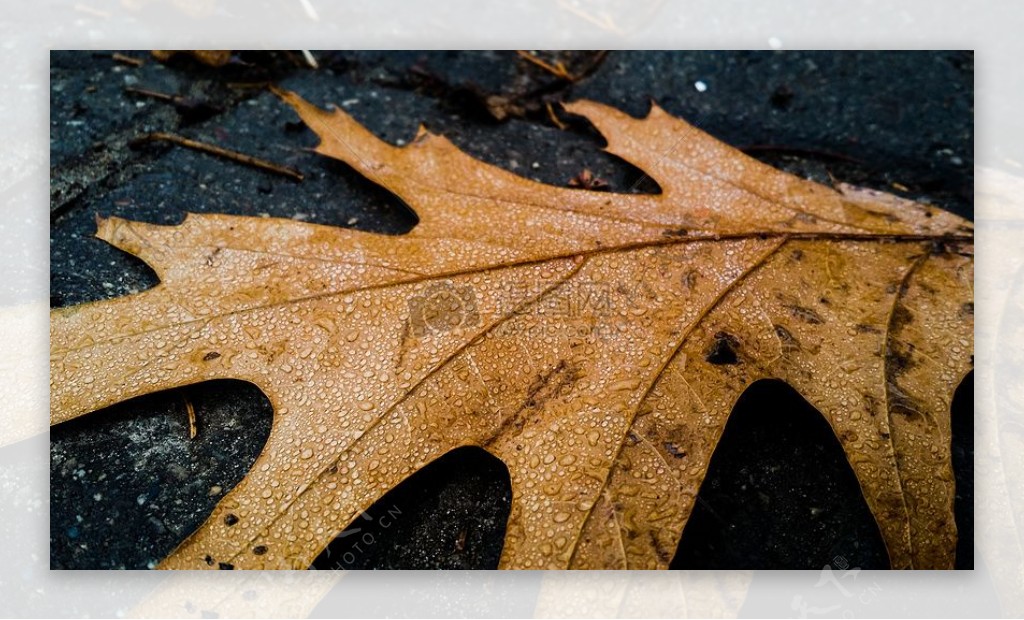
{"x":595,"y":343}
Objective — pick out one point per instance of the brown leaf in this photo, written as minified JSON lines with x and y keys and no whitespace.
{"x":594,"y":342}
{"x":212,"y":58}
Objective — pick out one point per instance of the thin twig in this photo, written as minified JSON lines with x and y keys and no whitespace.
{"x":191,"y":418}
{"x":241,"y":158}
{"x":595,"y":62}
{"x":558,"y":69}
{"x":151,"y":93}
{"x":554,"y":117}
{"x":128,"y":60}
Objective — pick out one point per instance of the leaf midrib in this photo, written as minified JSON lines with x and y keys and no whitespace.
{"x":698,"y":238}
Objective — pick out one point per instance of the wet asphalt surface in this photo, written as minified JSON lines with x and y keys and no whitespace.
{"x":127,"y":484}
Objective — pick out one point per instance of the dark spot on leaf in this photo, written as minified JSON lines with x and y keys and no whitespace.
{"x":209,"y":560}
{"x":967,"y":309}
{"x":212,"y":355}
{"x":900,"y":358}
{"x":872,"y":404}
{"x":674,"y":450}
{"x":212,"y":255}
{"x":939,"y":247}
{"x":225,"y":566}
{"x":230,"y":519}
{"x":675,"y":232}
{"x":787,"y":339}
{"x":902,"y":404}
{"x":805,"y":314}
{"x":863,"y":328}
{"x":902,"y":409}
{"x":797,"y":254}
{"x":552,"y":384}
{"x":723,"y":349}
{"x":259,"y":549}
{"x":663,"y":554}
{"x":690,"y":278}
{"x":901,"y":317}
{"x":824,"y":301}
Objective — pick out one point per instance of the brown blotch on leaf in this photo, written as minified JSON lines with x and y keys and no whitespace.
{"x":901,"y":317}
{"x":723,"y":349}
{"x":902,"y":404}
{"x":663,"y":554}
{"x":552,"y":384}
{"x":900,"y":358}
